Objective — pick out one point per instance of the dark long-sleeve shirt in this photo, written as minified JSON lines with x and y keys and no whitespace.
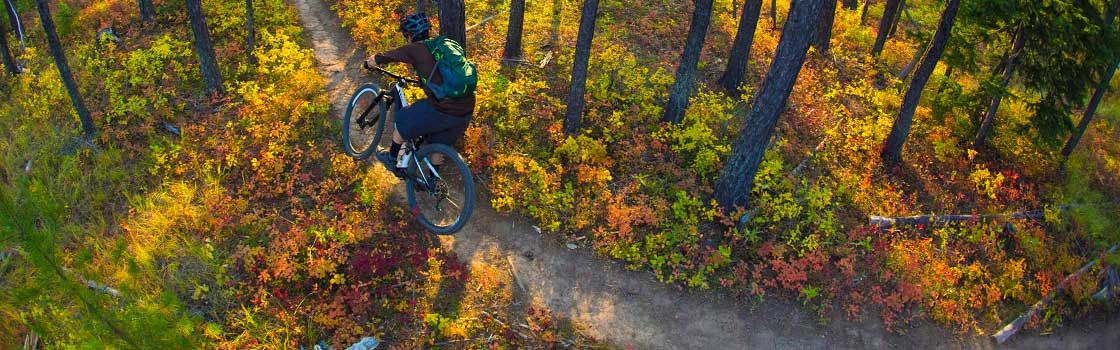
{"x":416,"y":54}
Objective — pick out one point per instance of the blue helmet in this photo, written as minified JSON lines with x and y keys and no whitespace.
{"x":415,"y":24}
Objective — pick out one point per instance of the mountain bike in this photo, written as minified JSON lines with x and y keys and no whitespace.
{"x":439,"y":184}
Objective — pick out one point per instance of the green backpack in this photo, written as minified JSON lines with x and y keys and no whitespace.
{"x":459,"y":75}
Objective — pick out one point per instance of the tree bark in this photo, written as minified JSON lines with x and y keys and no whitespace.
{"x":453,"y":21}
{"x":64,"y":69}
{"x":685,"y":83}
{"x":1011,"y":328}
{"x":579,"y":66}
{"x":824,"y":27}
{"x":9,"y":60}
{"x":993,"y":107}
{"x":1094,"y":101}
{"x":905,"y":72}
{"x":251,"y":37}
{"x":13,"y":16}
{"x":851,"y":4}
{"x":890,"y":14}
{"x":892,"y":152}
{"x":208,"y":62}
{"x":863,"y":15}
{"x":741,"y":48}
{"x":147,"y":11}
{"x":885,"y":222}
{"x":513,"y":31}
{"x":420,"y":4}
{"x":736,"y":180}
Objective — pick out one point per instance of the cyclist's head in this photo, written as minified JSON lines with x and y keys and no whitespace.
{"x":415,"y":27}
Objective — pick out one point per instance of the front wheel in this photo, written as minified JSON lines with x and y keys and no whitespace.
{"x":441,"y":196}
{"x":364,"y":121}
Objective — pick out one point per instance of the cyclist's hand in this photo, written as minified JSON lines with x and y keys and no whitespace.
{"x":367,"y":66}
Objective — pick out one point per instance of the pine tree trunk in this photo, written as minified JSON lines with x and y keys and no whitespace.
{"x":892,"y":152}
{"x":685,"y":83}
{"x":251,"y":36}
{"x":513,"y":31}
{"x":1089,"y":111}
{"x":863,"y":15}
{"x":897,"y":17}
{"x":453,"y":21}
{"x":993,"y":107}
{"x":147,"y":11}
{"x":64,"y":69}
{"x":12,"y":15}
{"x":890,"y":14}
{"x":579,"y":66}
{"x":824,"y":27}
{"x":1102,"y":87}
{"x":913,"y":62}
{"x":741,"y":48}
{"x":736,"y":180}
{"x":851,"y":4}
{"x":9,"y":60}
{"x":208,"y":62}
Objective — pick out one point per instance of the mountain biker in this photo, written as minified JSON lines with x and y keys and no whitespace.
{"x":441,"y":121}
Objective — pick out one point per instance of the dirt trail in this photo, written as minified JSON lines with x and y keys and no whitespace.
{"x":631,"y":307}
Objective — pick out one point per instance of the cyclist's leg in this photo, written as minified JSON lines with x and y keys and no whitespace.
{"x":457,"y":127}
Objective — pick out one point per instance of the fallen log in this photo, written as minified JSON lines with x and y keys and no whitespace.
{"x":885,"y":222}
{"x":1011,"y":328}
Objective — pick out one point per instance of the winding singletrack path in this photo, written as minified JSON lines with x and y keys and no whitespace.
{"x":631,"y":308}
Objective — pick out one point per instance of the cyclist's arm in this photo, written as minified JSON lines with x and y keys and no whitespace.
{"x":398,"y":55}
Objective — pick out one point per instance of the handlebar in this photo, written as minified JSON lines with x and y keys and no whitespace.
{"x":399,"y":78}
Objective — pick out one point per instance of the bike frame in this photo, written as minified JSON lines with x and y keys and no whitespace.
{"x":396,"y":96}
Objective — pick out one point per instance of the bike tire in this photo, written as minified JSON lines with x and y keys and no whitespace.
{"x":458,"y":182}
{"x":361,"y":141}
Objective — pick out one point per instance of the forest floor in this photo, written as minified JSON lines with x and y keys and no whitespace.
{"x":632,"y":308}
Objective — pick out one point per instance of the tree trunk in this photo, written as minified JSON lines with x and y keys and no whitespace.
{"x":13,"y":16}
{"x":252,"y":35}
{"x":513,"y":31}
{"x":863,"y":15}
{"x":905,"y":72}
{"x":890,"y":14}
{"x":851,"y":4}
{"x":147,"y":11}
{"x":993,"y":107}
{"x":1094,"y":101}
{"x":9,"y":60}
{"x":824,"y":27}
{"x":453,"y":21}
{"x":64,"y":69}
{"x":741,"y":48}
{"x":685,"y":83}
{"x":579,"y":66}
{"x":897,"y":17}
{"x":892,"y":152}
{"x":208,"y":62}
{"x":420,"y":4}
{"x":736,"y":180}
{"x":1089,"y":111}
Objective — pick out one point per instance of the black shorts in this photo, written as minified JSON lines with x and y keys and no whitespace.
{"x":421,"y":119}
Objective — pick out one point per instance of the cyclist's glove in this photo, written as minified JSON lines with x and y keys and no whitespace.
{"x":365,"y":64}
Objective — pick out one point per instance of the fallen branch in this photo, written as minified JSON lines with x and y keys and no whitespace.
{"x":1011,"y":328}
{"x":885,"y":222}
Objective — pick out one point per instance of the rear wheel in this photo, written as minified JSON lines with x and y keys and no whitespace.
{"x":364,"y":121}
{"x":441,"y":197}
